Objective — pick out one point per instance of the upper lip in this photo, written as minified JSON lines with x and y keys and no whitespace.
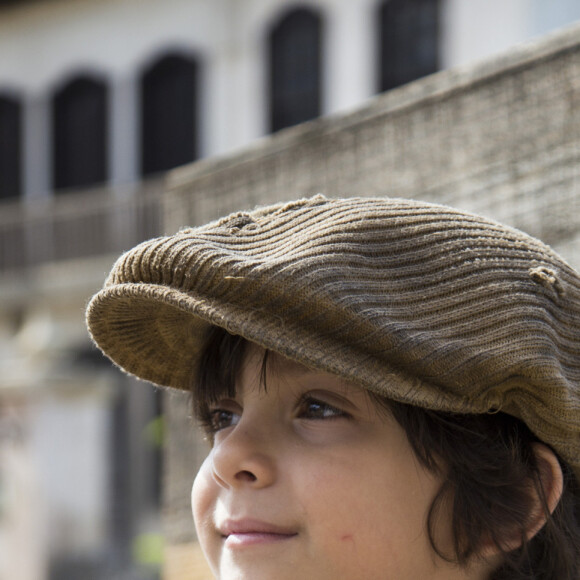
{"x":253,"y":526}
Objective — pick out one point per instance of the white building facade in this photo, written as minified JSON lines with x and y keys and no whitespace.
{"x":46,"y":44}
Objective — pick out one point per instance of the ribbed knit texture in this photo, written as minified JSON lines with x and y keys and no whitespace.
{"x":419,"y":302}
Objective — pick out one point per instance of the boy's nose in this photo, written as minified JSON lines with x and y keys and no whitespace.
{"x":244,"y":457}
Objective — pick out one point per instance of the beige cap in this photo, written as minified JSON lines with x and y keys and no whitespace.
{"x":418,"y":302}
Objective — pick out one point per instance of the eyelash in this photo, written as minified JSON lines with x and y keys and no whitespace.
{"x":308,"y":401}
{"x":308,"y":407}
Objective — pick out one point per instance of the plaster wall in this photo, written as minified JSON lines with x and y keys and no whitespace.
{"x":43,"y":44}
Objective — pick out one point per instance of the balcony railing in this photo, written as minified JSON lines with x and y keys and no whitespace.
{"x":76,"y":225}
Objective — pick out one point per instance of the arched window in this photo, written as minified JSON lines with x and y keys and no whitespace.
{"x":79,"y":130}
{"x":10,"y":147}
{"x":168,"y":114}
{"x":295,"y":69}
{"x":409,"y":41}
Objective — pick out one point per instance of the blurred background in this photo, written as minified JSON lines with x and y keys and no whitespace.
{"x":98,"y":100}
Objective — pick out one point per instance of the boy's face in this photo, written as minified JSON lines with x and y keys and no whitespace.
{"x":309,"y":479}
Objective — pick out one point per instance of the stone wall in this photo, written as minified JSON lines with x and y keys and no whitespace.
{"x":501,"y":138}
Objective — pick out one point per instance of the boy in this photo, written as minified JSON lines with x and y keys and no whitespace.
{"x":391,"y":388}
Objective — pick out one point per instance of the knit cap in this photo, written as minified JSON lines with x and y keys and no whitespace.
{"x":421,"y":303}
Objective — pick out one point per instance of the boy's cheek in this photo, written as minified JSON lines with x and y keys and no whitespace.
{"x":203,"y":497}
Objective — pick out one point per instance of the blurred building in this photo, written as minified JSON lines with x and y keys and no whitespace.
{"x":98,"y":100}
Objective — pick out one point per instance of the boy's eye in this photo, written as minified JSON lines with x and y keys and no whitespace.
{"x":221,"y":419}
{"x":311,"y":408}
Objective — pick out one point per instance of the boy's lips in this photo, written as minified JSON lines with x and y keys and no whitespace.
{"x":248,"y":532}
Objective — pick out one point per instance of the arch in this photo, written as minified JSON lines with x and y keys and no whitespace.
{"x":80,"y":133}
{"x":169,"y":103}
{"x":295,"y":66}
{"x":10,"y":147}
{"x":408,"y":41}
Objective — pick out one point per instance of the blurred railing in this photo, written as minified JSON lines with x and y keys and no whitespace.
{"x":75,"y":225}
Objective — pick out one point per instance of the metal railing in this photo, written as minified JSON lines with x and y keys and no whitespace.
{"x":75,"y":225}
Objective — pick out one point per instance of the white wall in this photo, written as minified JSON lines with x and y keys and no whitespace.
{"x":546,"y":15}
{"x":475,"y":29}
{"x":71,"y":439}
{"x":44,"y":43}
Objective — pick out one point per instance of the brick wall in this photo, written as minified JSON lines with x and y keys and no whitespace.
{"x":501,"y":138}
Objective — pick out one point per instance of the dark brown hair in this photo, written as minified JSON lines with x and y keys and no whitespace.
{"x":487,"y":463}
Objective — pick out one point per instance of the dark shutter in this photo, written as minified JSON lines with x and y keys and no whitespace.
{"x":10,"y":147}
{"x":409,"y":41}
{"x":80,"y":134}
{"x":295,"y":69}
{"x":168,"y":114}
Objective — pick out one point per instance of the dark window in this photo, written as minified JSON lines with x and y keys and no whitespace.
{"x":10,"y":147}
{"x":295,"y":65}
{"x":409,"y":41}
{"x":79,"y":128}
{"x":168,"y":114}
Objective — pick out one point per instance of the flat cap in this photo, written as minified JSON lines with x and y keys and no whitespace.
{"x":419,"y":302}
